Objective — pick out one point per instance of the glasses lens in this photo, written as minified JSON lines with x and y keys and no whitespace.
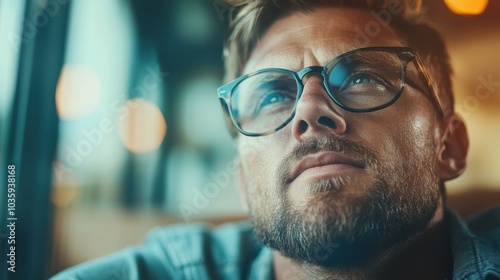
{"x":366,"y":79}
{"x":264,"y":101}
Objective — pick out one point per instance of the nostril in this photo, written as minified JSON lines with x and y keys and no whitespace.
{"x":303,"y":126}
{"x":327,"y":122}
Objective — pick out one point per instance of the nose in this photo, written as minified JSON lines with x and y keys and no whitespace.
{"x":315,"y":111}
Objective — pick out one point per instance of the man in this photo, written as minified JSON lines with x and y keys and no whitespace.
{"x":343,"y":117}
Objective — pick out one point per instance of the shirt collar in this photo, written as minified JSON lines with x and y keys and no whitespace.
{"x":475,"y":244}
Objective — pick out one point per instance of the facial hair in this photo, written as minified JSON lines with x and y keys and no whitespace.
{"x":345,"y":230}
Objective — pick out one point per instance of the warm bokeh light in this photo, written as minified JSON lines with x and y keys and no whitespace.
{"x":467,"y":7}
{"x":64,"y":196}
{"x":142,"y":126}
{"x":78,"y":91}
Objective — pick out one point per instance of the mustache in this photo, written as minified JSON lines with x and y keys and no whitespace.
{"x":321,"y":144}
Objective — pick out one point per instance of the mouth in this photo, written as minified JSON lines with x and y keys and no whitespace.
{"x":325,"y":164}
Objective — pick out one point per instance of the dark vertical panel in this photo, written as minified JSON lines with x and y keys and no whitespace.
{"x":32,"y":137}
{"x":152,"y":19}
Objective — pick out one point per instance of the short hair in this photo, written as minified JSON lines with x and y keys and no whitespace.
{"x":254,"y":17}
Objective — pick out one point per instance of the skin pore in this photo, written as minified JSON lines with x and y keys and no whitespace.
{"x":378,"y":216}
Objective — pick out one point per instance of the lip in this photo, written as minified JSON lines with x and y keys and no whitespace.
{"x":325,"y":163}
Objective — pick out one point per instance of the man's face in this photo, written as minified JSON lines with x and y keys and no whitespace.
{"x":337,"y":187}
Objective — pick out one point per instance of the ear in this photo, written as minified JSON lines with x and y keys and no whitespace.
{"x":241,"y":186}
{"x":453,"y":147}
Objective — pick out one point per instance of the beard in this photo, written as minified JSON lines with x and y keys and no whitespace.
{"x":336,"y":229}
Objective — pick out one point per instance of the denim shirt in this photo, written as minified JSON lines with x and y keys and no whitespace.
{"x":476,"y":245}
{"x":232,"y":251}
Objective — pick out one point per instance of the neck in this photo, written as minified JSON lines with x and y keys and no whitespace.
{"x":426,"y":256}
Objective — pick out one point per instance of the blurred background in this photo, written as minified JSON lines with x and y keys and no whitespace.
{"x":108,"y":109}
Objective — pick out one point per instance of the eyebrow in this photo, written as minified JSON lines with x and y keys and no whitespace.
{"x":379,"y":60}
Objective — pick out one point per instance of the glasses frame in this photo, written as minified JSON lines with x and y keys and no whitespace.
{"x":405,"y":55}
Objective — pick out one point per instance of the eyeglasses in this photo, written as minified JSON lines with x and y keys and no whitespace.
{"x":362,"y":80}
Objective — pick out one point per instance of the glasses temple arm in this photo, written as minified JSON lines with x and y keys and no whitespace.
{"x":430,"y":85}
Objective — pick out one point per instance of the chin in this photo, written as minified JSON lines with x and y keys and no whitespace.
{"x":345,"y":223}
{"x":332,"y":191}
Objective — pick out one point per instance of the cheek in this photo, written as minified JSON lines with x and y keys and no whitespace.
{"x":397,"y":139}
{"x":422,"y":130}
{"x":419,"y":121}
{"x":259,"y":157}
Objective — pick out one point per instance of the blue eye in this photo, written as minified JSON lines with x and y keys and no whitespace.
{"x":273,"y":97}
{"x":363,"y":83}
{"x":275,"y":100}
{"x":360,"y":79}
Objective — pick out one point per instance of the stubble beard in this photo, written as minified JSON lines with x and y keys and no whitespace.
{"x":335,"y":229}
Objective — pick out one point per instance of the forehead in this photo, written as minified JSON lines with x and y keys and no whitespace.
{"x":303,"y":39}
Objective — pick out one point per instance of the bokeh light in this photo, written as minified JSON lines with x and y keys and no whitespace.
{"x":78,"y":91}
{"x":142,"y":126}
{"x":467,"y":7}
{"x":65,"y":192}
{"x":64,"y":196}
